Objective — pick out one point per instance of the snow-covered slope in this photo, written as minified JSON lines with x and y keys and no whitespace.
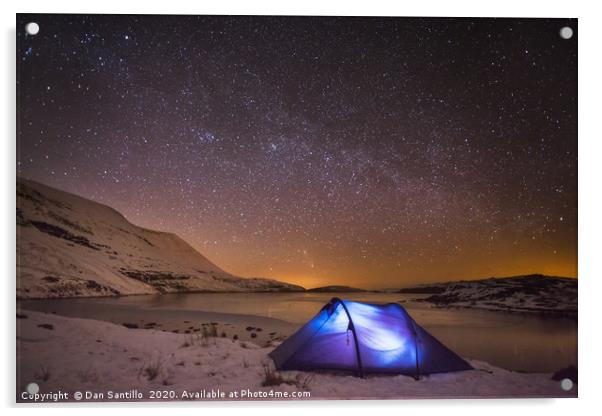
{"x":528,"y":294}
{"x":69,"y":246}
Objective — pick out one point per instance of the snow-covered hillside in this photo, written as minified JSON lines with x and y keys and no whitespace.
{"x":68,"y":246}
{"x":528,"y":294}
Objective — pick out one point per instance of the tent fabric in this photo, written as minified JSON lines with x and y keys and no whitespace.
{"x":365,"y":338}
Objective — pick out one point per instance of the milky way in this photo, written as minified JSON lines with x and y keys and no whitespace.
{"x":374,"y":152}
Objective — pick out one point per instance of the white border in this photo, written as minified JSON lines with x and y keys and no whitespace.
{"x":590,"y":207}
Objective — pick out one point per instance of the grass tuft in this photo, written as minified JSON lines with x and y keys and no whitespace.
{"x":43,"y":374}
{"x":273,"y":378}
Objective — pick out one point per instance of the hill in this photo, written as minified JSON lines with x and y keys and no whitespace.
{"x":69,"y":246}
{"x":530,"y":294}
{"x":335,"y":288}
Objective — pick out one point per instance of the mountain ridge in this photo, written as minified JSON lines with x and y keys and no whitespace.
{"x":71,"y":246}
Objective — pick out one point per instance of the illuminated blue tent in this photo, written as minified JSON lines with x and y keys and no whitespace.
{"x":365,"y":338}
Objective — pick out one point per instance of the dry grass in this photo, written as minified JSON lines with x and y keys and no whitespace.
{"x":189,"y":341}
{"x":88,"y":376}
{"x":305,"y":381}
{"x":208,"y":331}
{"x":151,"y":370}
{"x":272,"y":377}
{"x":43,"y":374}
{"x":202,"y":338}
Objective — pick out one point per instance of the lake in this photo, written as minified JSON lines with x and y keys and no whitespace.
{"x":513,"y":341}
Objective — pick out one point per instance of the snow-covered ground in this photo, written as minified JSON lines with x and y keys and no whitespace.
{"x":71,"y":355}
{"x":68,"y":246}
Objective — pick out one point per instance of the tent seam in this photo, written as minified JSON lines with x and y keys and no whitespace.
{"x":357,"y":346}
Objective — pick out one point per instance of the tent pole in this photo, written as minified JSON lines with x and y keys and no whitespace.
{"x":352,"y":327}
{"x":417,"y":374}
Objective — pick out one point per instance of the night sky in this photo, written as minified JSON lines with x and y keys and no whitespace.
{"x":371,"y":152}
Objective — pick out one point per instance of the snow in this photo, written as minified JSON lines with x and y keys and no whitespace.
{"x":68,"y":246}
{"x":525,"y":294}
{"x":69,"y":355}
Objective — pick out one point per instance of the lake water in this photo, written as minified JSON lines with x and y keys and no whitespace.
{"x":512,"y":341}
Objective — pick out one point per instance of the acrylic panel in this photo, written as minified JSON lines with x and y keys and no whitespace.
{"x":295,"y":208}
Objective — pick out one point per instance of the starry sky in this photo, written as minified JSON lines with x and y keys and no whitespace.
{"x":370,"y":152}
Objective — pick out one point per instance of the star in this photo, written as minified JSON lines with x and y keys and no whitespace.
{"x":394,"y":150}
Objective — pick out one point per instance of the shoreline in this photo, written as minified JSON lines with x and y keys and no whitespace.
{"x":544,"y":313}
{"x":572,"y":315}
{"x":189,"y":292}
{"x":258,"y":329}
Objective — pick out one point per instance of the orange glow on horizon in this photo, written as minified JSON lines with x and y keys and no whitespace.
{"x":318,"y":273}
